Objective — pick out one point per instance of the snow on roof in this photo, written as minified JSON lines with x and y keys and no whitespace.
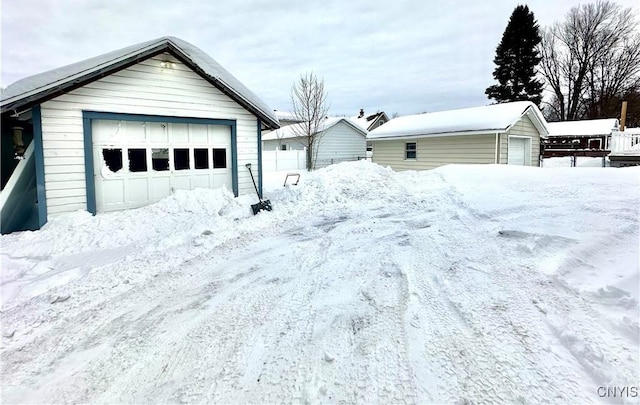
{"x":293,"y":131}
{"x":583,"y":127}
{"x":490,"y":118}
{"x":632,"y":131}
{"x":40,"y":85}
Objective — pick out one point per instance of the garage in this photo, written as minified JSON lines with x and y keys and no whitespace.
{"x":519,"y":151}
{"x":140,"y":162}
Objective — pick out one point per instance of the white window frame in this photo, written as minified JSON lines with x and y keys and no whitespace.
{"x":407,"y":150}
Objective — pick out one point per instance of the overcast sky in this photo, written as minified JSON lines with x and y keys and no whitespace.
{"x":397,"y":56}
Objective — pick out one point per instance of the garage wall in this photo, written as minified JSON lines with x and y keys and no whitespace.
{"x":524,"y":127}
{"x":340,"y":142}
{"x":433,"y":152}
{"x":145,"y":88}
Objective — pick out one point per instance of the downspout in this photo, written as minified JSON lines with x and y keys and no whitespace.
{"x":497,"y":144}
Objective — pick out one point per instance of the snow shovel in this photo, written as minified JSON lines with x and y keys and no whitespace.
{"x":262,"y":205}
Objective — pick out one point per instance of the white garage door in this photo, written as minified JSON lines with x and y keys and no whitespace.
{"x":137,"y":163}
{"x":518,"y":151}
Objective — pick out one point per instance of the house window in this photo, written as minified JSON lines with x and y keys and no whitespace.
{"x":219,"y":158}
{"x":137,"y":160}
{"x":113,"y":159}
{"x":201,"y":158}
{"x":160,"y":159}
{"x":181,"y":159}
{"x":410,"y":150}
{"x":283,"y":147}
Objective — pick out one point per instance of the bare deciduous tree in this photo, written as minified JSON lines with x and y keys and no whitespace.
{"x":309,"y":100}
{"x":588,"y":57}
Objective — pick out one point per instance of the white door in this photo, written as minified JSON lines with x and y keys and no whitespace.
{"x":137,"y":163}
{"x":518,"y":151}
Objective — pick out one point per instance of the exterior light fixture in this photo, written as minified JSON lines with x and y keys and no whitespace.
{"x":167,"y":64}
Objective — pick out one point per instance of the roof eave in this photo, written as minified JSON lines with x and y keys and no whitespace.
{"x":52,"y":90}
{"x":438,"y":134}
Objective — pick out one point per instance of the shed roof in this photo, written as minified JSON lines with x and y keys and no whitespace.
{"x":292,"y":131}
{"x":38,"y":88}
{"x":583,"y":127}
{"x":495,"y":118}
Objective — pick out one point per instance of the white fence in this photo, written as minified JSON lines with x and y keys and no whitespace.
{"x":625,"y":142}
{"x":276,"y":160}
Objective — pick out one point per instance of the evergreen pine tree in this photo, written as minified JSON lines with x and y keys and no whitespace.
{"x":516,"y":59}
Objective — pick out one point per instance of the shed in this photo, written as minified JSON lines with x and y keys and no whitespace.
{"x":125,"y":129}
{"x":340,"y":139}
{"x":507,"y":133}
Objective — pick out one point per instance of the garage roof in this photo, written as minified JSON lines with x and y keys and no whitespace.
{"x":38,"y":88}
{"x":583,"y":127}
{"x":496,"y":118}
{"x":294,"y":130}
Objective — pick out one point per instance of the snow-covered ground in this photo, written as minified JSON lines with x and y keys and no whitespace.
{"x":466,"y":284}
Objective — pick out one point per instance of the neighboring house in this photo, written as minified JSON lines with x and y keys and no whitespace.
{"x":370,"y":122}
{"x":500,"y":133}
{"x":127,"y":128}
{"x":286,"y":118}
{"x":339,"y":140}
{"x":585,"y":137}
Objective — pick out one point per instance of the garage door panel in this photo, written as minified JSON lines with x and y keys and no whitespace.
{"x":158,"y":132}
{"x":199,"y":134}
{"x":160,"y":187}
{"x":179,"y":133}
{"x":138,"y":190}
{"x":113,"y":192}
{"x":219,"y":134}
{"x":136,"y":132}
{"x":182,"y":182}
{"x":201,"y":181}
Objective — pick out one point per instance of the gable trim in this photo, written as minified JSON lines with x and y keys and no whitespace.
{"x":53,"y":90}
{"x":41,"y":191}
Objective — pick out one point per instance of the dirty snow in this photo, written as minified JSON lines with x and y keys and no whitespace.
{"x":467,"y":284}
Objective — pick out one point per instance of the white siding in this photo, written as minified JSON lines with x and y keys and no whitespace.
{"x":524,"y":127}
{"x":144,"y":88}
{"x":433,"y":152}
{"x":339,"y":143}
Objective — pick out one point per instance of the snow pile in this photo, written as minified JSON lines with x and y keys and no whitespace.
{"x":467,"y":284}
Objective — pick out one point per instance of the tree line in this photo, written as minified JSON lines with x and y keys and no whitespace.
{"x":581,"y":67}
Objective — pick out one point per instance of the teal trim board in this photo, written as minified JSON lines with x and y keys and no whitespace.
{"x":39,"y":161}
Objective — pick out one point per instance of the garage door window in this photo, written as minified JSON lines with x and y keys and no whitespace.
{"x":201,"y":158}
{"x":181,"y":159}
{"x":160,"y":159}
{"x":112,"y":159}
{"x":219,"y":158}
{"x":137,"y":160}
